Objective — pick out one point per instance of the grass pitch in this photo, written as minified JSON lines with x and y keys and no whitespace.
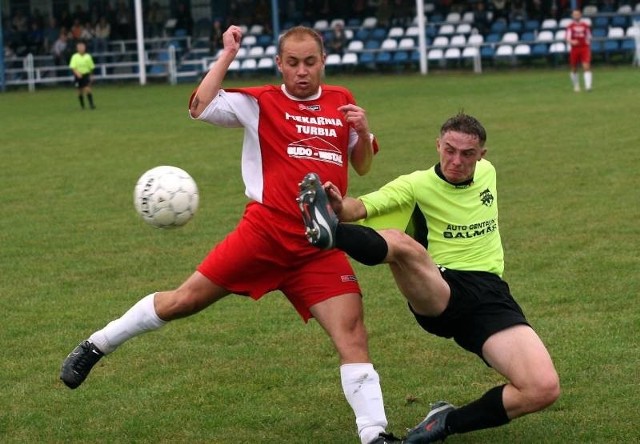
{"x":74,"y":255}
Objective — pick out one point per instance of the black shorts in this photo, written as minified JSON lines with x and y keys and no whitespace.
{"x":83,"y":81}
{"x":480,"y":305}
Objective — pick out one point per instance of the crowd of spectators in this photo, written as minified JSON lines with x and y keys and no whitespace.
{"x":31,"y":32}
{"x":106,"y":20}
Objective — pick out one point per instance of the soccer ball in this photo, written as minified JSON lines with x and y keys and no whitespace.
{"x":166,"y":197}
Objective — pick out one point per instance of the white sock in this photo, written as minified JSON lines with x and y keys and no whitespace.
{"x":575,"y":79}
{"x":587,"y":79}
{"x":138,"y":319}
{"x":361,"y":386}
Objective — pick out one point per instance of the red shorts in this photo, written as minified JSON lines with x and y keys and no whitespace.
{"x":579,"y":54}
{"x":268,"y":251}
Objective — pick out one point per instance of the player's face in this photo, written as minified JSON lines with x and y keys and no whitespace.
{"x":459,"y":153}
{"x":302,"y":66}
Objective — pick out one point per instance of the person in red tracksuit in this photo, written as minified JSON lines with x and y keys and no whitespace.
{"x":578,"y":37}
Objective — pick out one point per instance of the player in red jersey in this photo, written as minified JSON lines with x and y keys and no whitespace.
{"x":578,"y":37}
{"x":289,"y":129}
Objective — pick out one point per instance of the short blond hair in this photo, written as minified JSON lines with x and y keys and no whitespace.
{"x":299,"y":32}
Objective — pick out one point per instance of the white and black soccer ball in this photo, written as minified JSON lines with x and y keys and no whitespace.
{"x":166,"y":197}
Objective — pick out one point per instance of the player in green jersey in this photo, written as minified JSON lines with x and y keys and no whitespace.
{"x":438,"y":231}
{"x":82,"y":65}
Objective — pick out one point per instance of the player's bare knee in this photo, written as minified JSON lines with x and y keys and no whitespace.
{"x":550,"y":390}
{"x":544,"y":392}
{"x":352,"y":346}
{"x":355,"y":331}
{"x":403,"y":247}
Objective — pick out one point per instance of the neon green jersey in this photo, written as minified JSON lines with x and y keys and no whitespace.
{"x":457,"y":224}
{"x":83,"y":63}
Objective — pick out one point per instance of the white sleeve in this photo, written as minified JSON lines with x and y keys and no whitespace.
{"x":230,"y":110}
{"x":353,"y":139}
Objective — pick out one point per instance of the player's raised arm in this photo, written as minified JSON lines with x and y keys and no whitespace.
{"x":212,"y":82}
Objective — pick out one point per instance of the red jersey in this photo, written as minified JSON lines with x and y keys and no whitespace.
{"x":580,"y":31}
{"x":285,"y":138}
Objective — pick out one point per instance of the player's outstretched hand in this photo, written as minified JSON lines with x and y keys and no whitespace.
{"x":334,"y":196}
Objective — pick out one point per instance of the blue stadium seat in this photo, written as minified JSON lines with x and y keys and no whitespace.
{"x":610,"y":47}
{"x":372,"y":44}
{"x":158,"y":70}
{"x":493,"y":38}
{"x":599,"y":32}
{"x":601,"y":21}
{"x":498,"y":27}
{"x":378,"y":34}
{"x":487,"y":52}
{"x":265,"y":40}
{"x":400,"y":57}
{"x":361,"y":34}
{"x":528,"y":36}
{"x":431,"y":30}
{"x":367,"y":60}
{"x":628,"y":45}
{"x":532,"y":25}
{"x":384,"y":58}
{"x":596,"y":47}
{"x":619,"y":20}
{"x":515,"y":26}
{"x":540,"y":50}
